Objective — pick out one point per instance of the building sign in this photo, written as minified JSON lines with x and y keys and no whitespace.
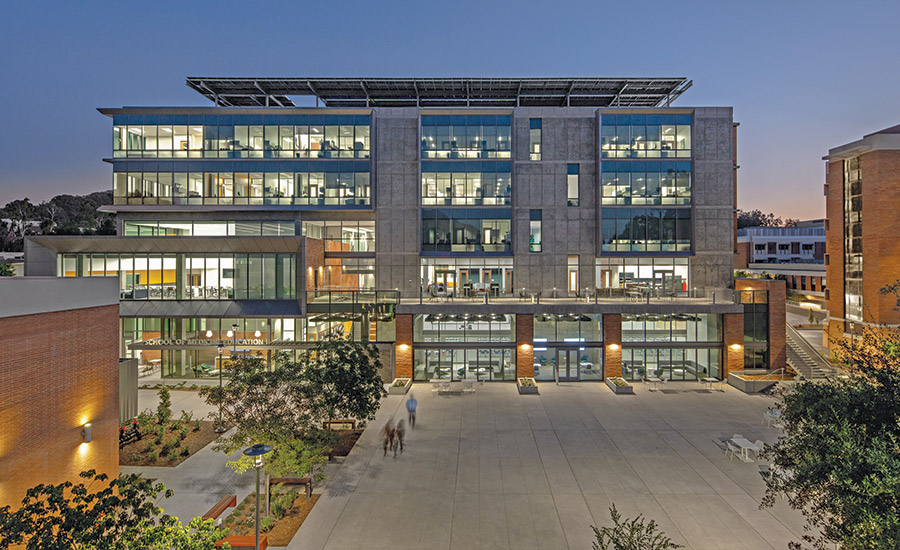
{"x":204,"y":342}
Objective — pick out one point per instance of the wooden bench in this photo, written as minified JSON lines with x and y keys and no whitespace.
{"x":294,"y":481}
{"x":340,"y":424}
{"x":244,"y":542}
{"x":221,"y":506}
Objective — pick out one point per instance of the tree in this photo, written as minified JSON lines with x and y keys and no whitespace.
{"x":756,"y":218}
{"x":6,"y":270}
{"x":270,"y":407}
{"x":631,"y":534}
{"x":839,"y":459}
{"x":342,"y":379}
{"x":119,"y":515}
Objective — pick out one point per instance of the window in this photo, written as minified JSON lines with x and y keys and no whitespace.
{"x":669,"y":275}
{"x":534,"y":231}
{"x":646,"y":182}
{"x":572,"y":184}
{"x":467,"y":276}
{"x":472,"y":183}
{"x":572,"y":277}
{"x":645,"y":136}
{"x":760,"y":247}
{"x":853,"y":258}
{"x":534,"y":139}
{"x":466,"y":230}
{"x":237,"y":136}
{"x":784,"y":248}
{"x":646,"y":229}
{"x":466,"y":136}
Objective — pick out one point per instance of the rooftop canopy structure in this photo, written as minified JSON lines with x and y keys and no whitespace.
{"x":443,"y":92}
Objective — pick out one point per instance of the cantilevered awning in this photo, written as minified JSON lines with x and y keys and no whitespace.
{"x":443,"y":92}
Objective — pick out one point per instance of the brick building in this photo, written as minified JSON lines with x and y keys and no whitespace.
{"x":862,"y":197}
{"x":58,"y":371}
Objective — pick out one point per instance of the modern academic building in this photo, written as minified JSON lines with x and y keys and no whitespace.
{"x":862,"y":195}
{"x":472,"y":228}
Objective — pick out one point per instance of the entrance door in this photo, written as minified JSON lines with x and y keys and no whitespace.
{"x":567,"y":363}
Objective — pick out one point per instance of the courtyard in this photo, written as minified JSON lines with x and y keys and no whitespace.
{"x":496,"y":469}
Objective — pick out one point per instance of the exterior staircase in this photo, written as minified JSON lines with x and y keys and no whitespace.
{"x":805,"y":359}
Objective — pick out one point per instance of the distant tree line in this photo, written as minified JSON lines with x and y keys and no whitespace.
{"x":756,"y":218}
{"x":61,"y":215}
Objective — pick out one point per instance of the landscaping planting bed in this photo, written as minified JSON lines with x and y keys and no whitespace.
{"x":147,"y":452}
{"x":280,"y":529}
{"x":346,"y":443}
{"x":619,"y":386}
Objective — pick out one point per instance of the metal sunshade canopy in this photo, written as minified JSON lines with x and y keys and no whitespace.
{"x":443,"y":92}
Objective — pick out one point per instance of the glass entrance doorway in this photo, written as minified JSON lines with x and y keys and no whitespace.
{"x":567,"y":364}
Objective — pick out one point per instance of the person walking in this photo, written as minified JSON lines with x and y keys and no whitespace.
{"x":401,"y":432}
{"x":387,"y":436}
{"x":411,"y":405}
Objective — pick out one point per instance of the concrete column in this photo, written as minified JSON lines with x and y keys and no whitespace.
{"x":612,"y":345}
{"x":403,"y":353}
{"x":733,"y":333}
{"x":524,"y":346}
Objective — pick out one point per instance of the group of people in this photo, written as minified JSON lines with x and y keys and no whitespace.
{"x":392,"y":436}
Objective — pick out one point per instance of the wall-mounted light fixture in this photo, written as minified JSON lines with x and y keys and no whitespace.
{"x":86,"y":432}
{"x":403,"y":347}
{"x":736,"y":347}
{"x":257,"y":334}
{"x":614,"y":347}
{"x":525,"y":347}
{"x":209,"y":334}
{"x":229,"y":334}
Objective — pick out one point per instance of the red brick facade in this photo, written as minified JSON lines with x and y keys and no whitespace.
{"x":59,"y":371}
{"x":777,"y":302}
{"x":403,"y":361}
{"x":612,"y":345}
{"x":734,"y":343}
{"x":524,"y":345}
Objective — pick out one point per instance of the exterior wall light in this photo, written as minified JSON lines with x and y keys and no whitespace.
{"x":614,"y":347}
{"x":525,"y":347}
{"x":86,"y":432}
{"x":736,"y":347}
{"x":229,"y":334}
{"x":257,"y":334}
{"x":209,"y":334}
{"x":403,"y":347}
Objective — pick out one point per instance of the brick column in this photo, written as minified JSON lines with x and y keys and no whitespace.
{"x":612,"y":345}
{"x":403,"y":352}
{"x":733,"y":352}
{"x":777,"y":329}
{"x":524,"y":345}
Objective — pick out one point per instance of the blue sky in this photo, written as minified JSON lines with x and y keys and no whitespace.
{"x":802,"y":76}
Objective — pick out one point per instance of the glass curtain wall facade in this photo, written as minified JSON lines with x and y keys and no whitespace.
{"x":853,"y":257}
{"x":674,"y":346}
{"x":568,"y":347}
{"x":464,"y":347}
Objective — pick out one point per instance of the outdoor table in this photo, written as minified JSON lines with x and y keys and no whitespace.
{"x":709,"y":382}
{"x":654,"y":383}
{"x":746,"y":446}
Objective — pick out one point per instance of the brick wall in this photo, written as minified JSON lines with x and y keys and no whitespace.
{"x":524,"y":336}
{"x":881,"y":247}
{"x":742,"y":256}
{"x":777,"y":329}
{"x":403,"y":353}
{"x":59,"y":370}
{"x":733,"y":334}
{"x":315,"y":263}
{"x":834,"y":238}
{"x":612,"y":336}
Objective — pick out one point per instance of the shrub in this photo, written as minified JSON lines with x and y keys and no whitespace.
{"x":135,"y":457}
{"x":266,"y":524}
{"x":176,"y":425}
{"x":196,"y":425}
{"x":157,"y":441}
{"x":153,"y":457}
{"x":149,"y":447}
{"x":164,"y":409}
{"x":281,"y":502}
{"x":182,"y":434}
{"x":185,"y":451}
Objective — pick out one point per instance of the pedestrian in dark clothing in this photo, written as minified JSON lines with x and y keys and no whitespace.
{"x":401,"y":433}
{"x":387,"y":436}
{"x":411,"y":405}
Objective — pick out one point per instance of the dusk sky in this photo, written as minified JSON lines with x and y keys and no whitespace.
{"x":802,"y":76}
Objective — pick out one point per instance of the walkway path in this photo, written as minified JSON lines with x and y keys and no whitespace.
{"x":500,"y":470}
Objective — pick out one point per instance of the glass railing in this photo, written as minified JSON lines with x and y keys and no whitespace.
{"x":347,"y":297}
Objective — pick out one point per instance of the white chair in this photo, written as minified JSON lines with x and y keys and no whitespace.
{"x":737,"y":436}
{"x":731,"y":450}
{"x":468,"y":386}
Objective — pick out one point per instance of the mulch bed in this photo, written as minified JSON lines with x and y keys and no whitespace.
{"x":346,"y":443}
{"x":284,"y":529}
{"x":134,"y":453}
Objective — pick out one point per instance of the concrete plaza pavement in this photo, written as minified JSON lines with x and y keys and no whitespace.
{"x":500,"y":470}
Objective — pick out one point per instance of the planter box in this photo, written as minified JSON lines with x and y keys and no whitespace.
{"x":400,"y":390}
{"x":530,"y":389}
{"x":625,"y":390}
{"x":747,"y":385}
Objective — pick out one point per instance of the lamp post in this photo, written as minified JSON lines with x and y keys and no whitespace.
{"x":257,"y":451}
{"x":221,"y":427}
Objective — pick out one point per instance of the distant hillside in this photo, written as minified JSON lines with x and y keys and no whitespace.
{"x":61,"y":215}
